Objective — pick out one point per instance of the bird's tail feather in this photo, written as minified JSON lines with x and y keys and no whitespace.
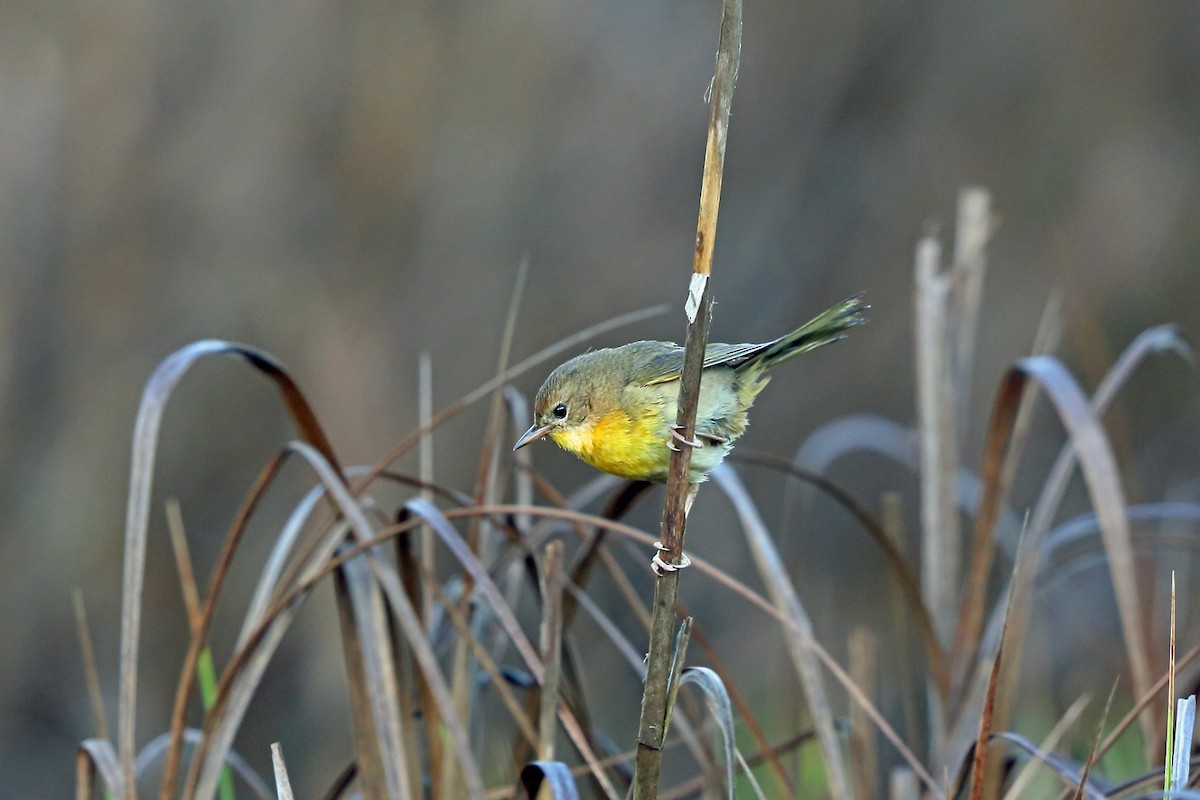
{"x":829,"y":326}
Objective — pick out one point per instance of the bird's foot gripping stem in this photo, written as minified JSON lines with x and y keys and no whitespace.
{"x":662,"y":567}
{"x":677,"y":436}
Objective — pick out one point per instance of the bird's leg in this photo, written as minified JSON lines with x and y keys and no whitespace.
{"x":677,"y":436}
{"x":658,"y":563}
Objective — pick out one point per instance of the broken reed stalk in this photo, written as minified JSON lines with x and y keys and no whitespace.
{"x":652,"y":727}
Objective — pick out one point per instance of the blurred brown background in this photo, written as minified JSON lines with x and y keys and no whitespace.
{"x":348,"y":184}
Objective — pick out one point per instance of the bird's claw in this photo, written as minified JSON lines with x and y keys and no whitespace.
{"x":662,"y":567}
{"x":677,"y":436}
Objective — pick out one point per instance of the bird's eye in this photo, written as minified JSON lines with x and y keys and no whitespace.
{"x":560,"y":411}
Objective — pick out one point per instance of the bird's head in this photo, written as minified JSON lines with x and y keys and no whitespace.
{"x":567,"y":406}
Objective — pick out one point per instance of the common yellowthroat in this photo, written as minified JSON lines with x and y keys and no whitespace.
{"x":615,"y":408}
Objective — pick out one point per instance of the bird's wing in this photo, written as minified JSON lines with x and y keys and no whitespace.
{"x":666,"y":365}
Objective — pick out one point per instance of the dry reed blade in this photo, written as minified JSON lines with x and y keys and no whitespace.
{"x":784,"y":597}
{"x":370,"y":668}
{"x":1041,"y":540}
{"x":425,"y":466}
{"x":183,"y":563}
{"x":973,"y":228}
{"x":699,"y":303}
{"x":864,"y":669}
{"x":419,"y":585}
{"x":940,"y":544}
{"x":283,"y":784}
{"x":91,"y":676}
{"x":551,"y":646}
{"x":979,"y":772}
{"x":1083,"y":788}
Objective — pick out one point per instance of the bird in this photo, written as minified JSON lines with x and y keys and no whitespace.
{"x":615,"y":408}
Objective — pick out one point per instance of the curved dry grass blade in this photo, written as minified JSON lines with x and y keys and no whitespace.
{"x":157,"y":746}
{"x":485,"y":584}
{"x":482,"y":580}
{"x":155,"y":395}
{"x":1160,"y":339}
{"x":767,"y":752}
{"x":1163,"y":338}
{"x":97,"y":757}
{"x":284,"y":544}
{"x":906,"y":578}
{"x":1066,"y":770}
{"x":717,"y":699}
{"x":784,"y":596}
{"x":701,"y":566}
{"x":1038,"y":755}
{"x":245,"y":669}
{"x":549,"y":780}
{"x":870,"y":433}
{"x":1074,"y":532}
{"x":1104,"y":488}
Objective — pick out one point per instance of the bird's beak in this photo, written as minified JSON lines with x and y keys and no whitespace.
{"x":532,"y":435}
